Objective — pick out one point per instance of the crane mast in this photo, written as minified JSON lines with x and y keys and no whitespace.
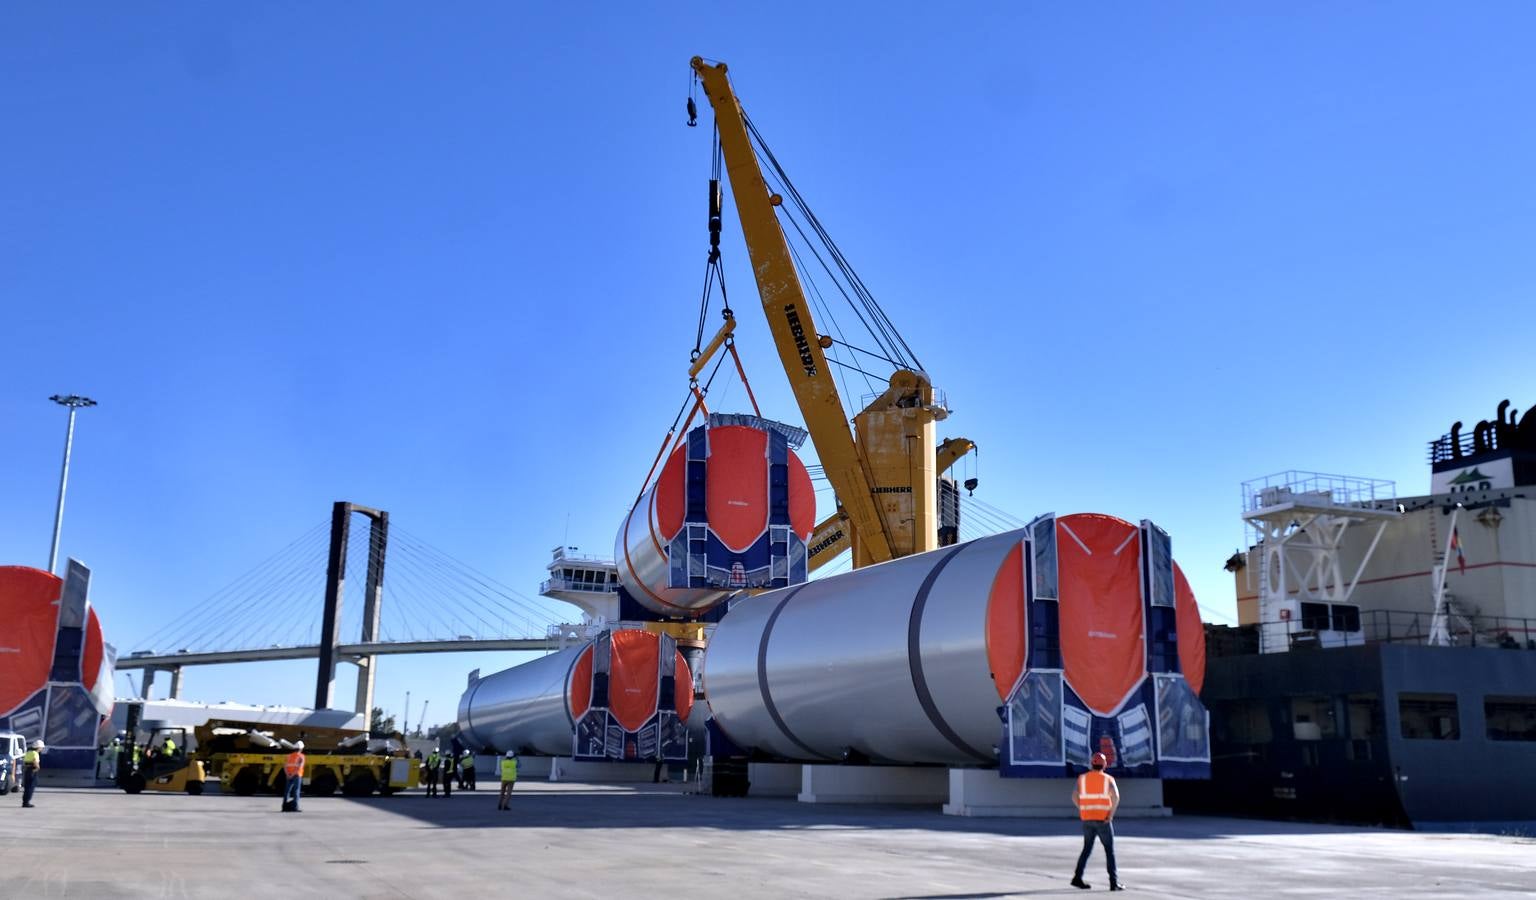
{"x":884,"y":471}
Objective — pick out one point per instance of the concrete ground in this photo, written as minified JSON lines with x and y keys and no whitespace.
{"x":575,"y":840}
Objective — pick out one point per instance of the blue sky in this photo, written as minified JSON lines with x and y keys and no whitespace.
{"x":448,"y":264}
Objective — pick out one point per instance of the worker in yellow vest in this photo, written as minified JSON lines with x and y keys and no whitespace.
{"x":31,"y":764}
{"x":1097,"y":797}
{"x":429,"y":773}
{"x":467,"y":771}
{"x":508,"y":779}
{"x":293,"y":768}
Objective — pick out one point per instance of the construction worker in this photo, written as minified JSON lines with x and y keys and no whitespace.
{"x":508,"y":779}
{"x":450,"y":772}
{"x":429,"y":773}
{"x":1097,"y":797}
{"x":31,"y":764}
{"x":293,"y":767}
{"x":467,"y":771}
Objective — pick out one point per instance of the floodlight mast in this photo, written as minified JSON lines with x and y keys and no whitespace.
{"x":72,"y":402}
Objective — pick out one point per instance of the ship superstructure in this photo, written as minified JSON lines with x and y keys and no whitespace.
{"x":1384,"y":664}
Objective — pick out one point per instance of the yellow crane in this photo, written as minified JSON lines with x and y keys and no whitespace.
{"x":885,"y":471}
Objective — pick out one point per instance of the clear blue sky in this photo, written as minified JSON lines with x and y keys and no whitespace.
{"x":447,"y":262}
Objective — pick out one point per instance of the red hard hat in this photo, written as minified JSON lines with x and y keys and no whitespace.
{"x":1100,"y":761}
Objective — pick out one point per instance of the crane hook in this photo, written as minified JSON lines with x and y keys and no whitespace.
{"x":693,"y":113}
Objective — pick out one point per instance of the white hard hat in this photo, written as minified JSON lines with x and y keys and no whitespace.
{"x":37,"y":745}
{"x":298,"y":745}
{"x":511,"y":754}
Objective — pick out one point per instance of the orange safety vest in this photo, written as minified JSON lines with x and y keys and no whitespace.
{"x":294,"y":767}
{"x":1093,"y":796}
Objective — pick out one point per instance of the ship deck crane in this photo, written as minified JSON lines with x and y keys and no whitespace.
{"x":885,"y":471}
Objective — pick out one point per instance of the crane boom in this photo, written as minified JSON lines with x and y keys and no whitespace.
{"x":790,"y":320}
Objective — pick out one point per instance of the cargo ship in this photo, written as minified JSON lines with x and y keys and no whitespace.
{"x":1384,"y":666}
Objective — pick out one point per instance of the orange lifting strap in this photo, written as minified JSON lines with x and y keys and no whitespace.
{"x":723,"y":338}
{"x":731,"y":346}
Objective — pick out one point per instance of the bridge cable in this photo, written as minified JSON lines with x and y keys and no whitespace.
{"x":190,"y":618}
{"x":495,"y":588}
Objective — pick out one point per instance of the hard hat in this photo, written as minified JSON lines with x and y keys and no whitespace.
{"x":37,"y":745}
{"x":511,"y":754}
{"x":298,"y":745}
{"x":1100,"y":761}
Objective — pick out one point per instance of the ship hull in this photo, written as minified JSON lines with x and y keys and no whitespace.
{"x":1365,"y":734}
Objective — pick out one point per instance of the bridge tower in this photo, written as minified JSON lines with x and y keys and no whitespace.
{"x":373,"y":596}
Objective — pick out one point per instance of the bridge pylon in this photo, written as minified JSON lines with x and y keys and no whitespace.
{"x":373,"y":596}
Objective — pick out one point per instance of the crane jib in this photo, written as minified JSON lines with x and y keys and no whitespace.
{"x":797,"y":330}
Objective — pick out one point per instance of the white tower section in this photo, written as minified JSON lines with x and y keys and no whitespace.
{"x":1299,"y":519}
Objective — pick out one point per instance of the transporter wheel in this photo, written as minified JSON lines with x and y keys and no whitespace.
{"x":387,"y":791}
{"x":134,"y":783}
{"x":323,"y":784}
{"x":245,"y":783}
{"x":360,"y":784}
{"x":195,"y":788}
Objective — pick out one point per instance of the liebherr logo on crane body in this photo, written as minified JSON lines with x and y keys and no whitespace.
{"x":807,"y":362}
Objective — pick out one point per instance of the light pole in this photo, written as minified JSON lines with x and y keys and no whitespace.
{"x":73,"y":402}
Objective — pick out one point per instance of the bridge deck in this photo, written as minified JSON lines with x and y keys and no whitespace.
{"x":312,"y":651}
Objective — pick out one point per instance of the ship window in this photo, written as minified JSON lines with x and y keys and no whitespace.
{"x":1314,"y":616}
{"x":1429,"y":716}
{"x":1365,"y":717}
{"x":1245,"y":722}
{"x":1510,"y":718}
{"x":1346,"y":617}
{"x":1312,"y":718}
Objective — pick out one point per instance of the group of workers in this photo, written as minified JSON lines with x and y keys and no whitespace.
{"x":449,"y":768}
{"x":453,"y":766}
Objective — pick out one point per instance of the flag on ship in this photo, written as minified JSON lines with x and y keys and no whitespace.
{"x":1461,"y":560}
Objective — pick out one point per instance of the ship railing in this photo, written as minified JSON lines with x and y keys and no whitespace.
{"x":1315,"y":487}
{"x":1386,"y":626}
{"x":1466,"y":443}
{"x":561,"y":583}
{"x":1381,"y":626}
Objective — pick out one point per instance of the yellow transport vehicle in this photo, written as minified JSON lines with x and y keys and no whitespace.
{"x":250,"y":760}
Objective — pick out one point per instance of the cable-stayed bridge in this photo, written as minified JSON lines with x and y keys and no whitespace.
{"x":325,"y":596}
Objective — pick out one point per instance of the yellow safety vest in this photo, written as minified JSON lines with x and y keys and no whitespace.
{"x":469,"y":761}
{"x":1093,"y":796}
{"x":509,"y":770}
{"x":31,"y":759}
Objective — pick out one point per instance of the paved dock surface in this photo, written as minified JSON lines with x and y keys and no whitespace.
{"x":573,"y":840}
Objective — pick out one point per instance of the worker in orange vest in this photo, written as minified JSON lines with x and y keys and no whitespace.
{"x":293,"y":767}
{"x":1097,"y":797}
